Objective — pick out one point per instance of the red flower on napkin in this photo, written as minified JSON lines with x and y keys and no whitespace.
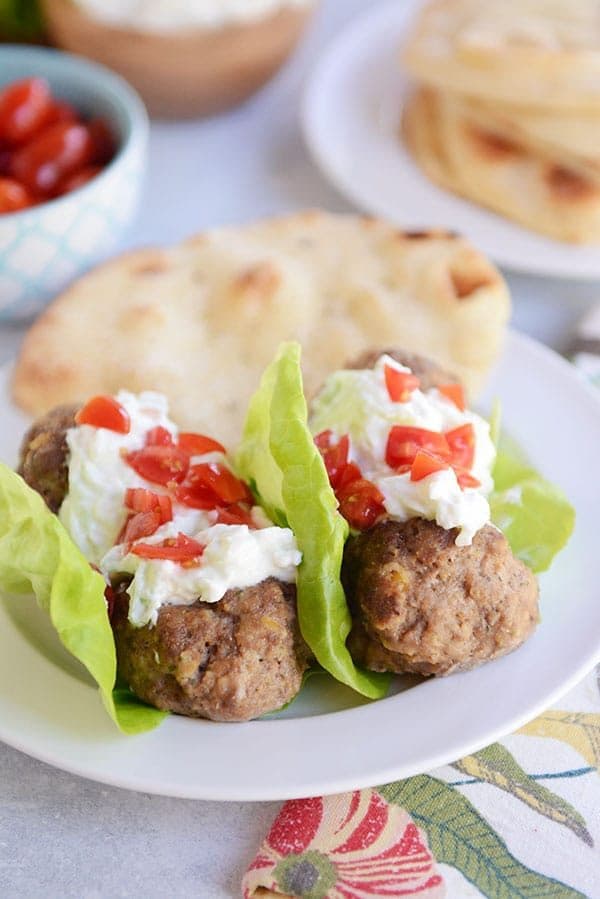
{"x":352,"y":846}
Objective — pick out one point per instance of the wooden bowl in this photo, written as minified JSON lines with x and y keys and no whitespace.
{"x":184,"y":74}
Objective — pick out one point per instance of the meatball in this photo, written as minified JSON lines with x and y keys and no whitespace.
{"x":422,"y":604}
{"x":231,"y":660}
{"x":43,"y":462}
{"x":429,"y":373}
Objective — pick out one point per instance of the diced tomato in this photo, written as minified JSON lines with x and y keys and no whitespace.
{"x":323,"y":440}
{"x":350,"y":473}
{"x":400,"y":384}
{"x":181,"y":549}
{"x":43,"y":162}
{"x":105,"y":412}
{"x":462,"y":445}
{"x":224,"y":484}
{"x":424,"y":464}
{"x":13,"y":195}
{"x":455,"y":393}
{"x":235,"y":514}
{"x":159,"y":436}
{"x":404,"y":442}
{"x":160,"y":464}
{"x":336,"y":459}
{"x":361,"y":504}
{"x":138,"y":499}
{"x":465,"y":479}
{"x":198,"y":444}
{"x":25,"y":107}
{"x":142,"y":524}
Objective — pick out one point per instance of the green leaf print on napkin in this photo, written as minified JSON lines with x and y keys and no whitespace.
{"x":459,"y":836}
{"x":495,"y":765}
{"x":580,"y":729}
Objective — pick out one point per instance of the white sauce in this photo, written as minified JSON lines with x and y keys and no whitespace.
{"x":179,"y":15}
{"x":357,"y":403}
{"x":94,"y":513}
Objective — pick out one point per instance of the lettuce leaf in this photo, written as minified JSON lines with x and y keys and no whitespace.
{"x":278,"y":457}
{"x":534,"y":515}
{"x":38,"y":556}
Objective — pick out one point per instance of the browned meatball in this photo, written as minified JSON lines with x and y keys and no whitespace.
{"x":422,"y":604}
{"x":429,"y":373}
{"x":231,"y":660}
{"x":43,"y":459}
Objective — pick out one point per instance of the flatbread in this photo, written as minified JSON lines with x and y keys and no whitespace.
{"x":201,"y":320}
{"x":559,"y":197}
{"x":541,"y":53}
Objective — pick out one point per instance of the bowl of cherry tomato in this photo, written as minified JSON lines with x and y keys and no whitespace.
{"x":73,"y":139}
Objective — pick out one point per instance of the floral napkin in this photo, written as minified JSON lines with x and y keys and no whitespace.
{"x":519,"y":819}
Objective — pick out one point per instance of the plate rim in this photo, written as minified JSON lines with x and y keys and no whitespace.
{"x":379,"y":15}
{"x":432,"y":759}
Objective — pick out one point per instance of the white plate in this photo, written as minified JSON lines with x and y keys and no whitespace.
{"x":49,"y":709}
{"x":351,"y":120}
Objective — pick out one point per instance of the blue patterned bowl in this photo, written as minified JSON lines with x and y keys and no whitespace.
{"x":43,"y":248}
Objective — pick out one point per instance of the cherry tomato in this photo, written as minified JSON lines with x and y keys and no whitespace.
{"x":223,"y":483}
{"x":5,"y":158}
{"x":105,"y":412}
{"x":13,"y":196}
{"x":198,"y":444}
{"x":160,"y":464}
{"x":61,"y":111}
{"x":159,"y":436}
{"x":466,"y":479}
{"x":142,"y":524}
{"x":51,"y":155}
{"x":404,"y":442}
{"x":176,"y":549}
{"x":25,"y":107}
{"x":235,"y":514}
{"x":424,"y":464}
{"x":462,"y":445}
{"x":400,"y":384}
{"x":455,"y":393}
{"x":78,"y":179}
{"x":361,"y":504}
{"x":138,"y":499}
{"x":103,"y":141}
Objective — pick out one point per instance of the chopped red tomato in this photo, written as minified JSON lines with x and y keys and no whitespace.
{"x":159,"y":436}
{"x":348,"y":474}
{"x":235,"y":514}
{"x":181,"y":549}
{"x":462,"y":445}
{"x":455,"y":393}
{"x":160,"y":464}
{"x":404,"y":443}
{"x":105,"y":412}
{"x":324,"y":439}
{"x":198,"y":444}
{"x":465,"y":479}
{"x":335,"y":458}
{"x":25,"y":107}
{"x":361,"y":504}
{"x":54,"y":153}
{"x":400,"y":384}
{"x":77,"y":179}
{"x":13,"y":195}
{"x":223,"y":483}
{"x":138,"y":499}
{"x":424,"y":464}
{"x":142,"y":524}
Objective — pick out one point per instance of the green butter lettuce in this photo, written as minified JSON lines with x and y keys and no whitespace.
{"x":38,"y":556}
{"x":278,"y":457}
{"x":534,"y":515}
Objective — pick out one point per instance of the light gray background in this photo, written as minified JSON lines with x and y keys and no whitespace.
{"x":61,"y":836}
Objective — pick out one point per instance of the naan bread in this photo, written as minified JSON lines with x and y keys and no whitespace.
{"x":542,"y":53}
{"x":200,"y":321}
{"x":559,"y":197}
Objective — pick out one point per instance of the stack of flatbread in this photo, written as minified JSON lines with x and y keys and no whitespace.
{"x":201,"y":320}
{"x":507,"y":111}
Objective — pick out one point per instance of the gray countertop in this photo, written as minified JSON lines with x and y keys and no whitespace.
{"x":61,"y":836}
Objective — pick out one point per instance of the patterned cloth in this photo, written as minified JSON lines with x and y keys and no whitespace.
{"x":518,"y":820}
